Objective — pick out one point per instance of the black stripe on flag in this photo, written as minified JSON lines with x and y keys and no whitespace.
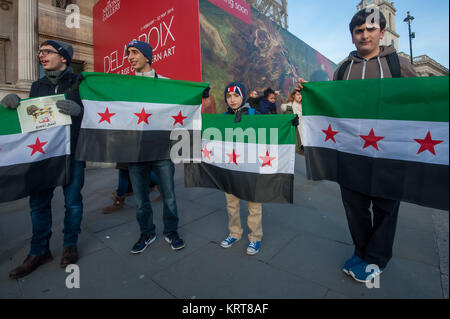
{"x":259,"y":188}
{"x":119,"y":146}
{"x":20,"y":180}
{"x":418,"y":183}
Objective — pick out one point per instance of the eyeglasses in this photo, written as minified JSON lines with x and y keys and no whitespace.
{"x":45,"y":52}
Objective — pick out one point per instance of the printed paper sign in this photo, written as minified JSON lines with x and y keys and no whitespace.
{"x":41,"y":113}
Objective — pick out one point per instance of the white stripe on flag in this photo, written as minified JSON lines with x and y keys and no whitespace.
{"x":398,"y":141}
{"x":17,"y":148}
{"x":125,"y":118}
{"x":250,"y":157}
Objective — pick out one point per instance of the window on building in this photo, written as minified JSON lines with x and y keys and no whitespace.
{"x":62,"y":3}
{"x":77,"y":66}
{"x":390,"y":21}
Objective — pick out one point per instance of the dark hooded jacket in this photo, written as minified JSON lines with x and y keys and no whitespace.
{"x":266,"y":107}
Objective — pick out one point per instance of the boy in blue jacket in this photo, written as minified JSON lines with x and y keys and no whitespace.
{"x":235,"y":98}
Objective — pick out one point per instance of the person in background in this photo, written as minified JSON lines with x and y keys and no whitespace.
{"x":125,"y":189}
{"x":253,"y":99}
{"x":293,"y":105}
{"x":267,"y":104}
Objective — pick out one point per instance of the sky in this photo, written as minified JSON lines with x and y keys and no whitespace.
{"x":323,"y":25}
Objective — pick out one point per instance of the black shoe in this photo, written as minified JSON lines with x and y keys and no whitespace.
{"x":142,"y":243}
{"x":175,"y":241}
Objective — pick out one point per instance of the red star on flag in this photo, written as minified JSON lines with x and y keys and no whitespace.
{"x":233,"y":157}
{"x":37,"y":147}
{"x":106,"y":116}
{"x":206,"y":153}
{"x":143,"y":117}
{"x":371,"y":140}
{"x":179,"y":118}
{"x":330,"y":134}
{"x":427,"y":144}
{"x":267,"y":160}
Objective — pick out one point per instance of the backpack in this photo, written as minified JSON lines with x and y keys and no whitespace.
{"x":392,"y":61}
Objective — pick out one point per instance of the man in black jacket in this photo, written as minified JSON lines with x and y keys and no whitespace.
{"x":55,"y":58}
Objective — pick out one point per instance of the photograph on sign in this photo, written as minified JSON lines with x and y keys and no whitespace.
{"x":41,"y":113}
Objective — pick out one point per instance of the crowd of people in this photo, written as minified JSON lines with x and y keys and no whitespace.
{"x":373,"y":240}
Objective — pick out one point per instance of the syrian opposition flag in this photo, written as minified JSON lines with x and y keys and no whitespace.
{"x":130,"y":118}
{"x":253,"y":159}
{"x":33,"y":161}
{"x":386,"y":138}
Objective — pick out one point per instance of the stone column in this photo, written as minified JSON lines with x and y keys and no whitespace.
{"x":27,"y":43}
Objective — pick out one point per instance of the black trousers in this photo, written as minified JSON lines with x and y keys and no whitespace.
{"x":373,"y":237}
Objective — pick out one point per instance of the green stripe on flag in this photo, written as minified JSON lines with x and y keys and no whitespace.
{"x":229,"y":131}
{"x":9,"y":122}
{"x":409,"y":99}
{"x":118,"y":87}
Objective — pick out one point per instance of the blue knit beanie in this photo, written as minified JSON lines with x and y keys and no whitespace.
{"x":238,"y":88}
{"x":144,"y":47}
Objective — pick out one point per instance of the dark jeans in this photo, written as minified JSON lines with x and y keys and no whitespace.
{"x":124,"y":181}
{"x":122,"y":186}
{"x":140,"y":179}
{"x":41,"y":212}
{"x":373,"y":239}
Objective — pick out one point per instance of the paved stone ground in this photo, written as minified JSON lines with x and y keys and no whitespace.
{"x":303,"y":249}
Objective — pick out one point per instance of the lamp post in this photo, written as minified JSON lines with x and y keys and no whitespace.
{"x":408,"y":19}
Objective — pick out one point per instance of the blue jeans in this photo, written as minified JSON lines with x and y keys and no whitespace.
{"x":124,"y":180}
{"x":41,"y":212}
{"x":140,"y":179}
{"x":123,"y":183}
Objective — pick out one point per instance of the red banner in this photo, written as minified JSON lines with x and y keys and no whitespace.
{"x":171,"y":27}
{"x":239,"y":8}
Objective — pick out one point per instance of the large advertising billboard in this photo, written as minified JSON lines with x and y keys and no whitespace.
{"x":214,"y":41}
{"x":171,"y":27}
{"x":261,"y":54}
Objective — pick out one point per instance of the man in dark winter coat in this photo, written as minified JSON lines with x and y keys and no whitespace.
{"x":55,"y":58}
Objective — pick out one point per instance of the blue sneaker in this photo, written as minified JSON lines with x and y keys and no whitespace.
{"x":361,"y":274}
{"x":351,"y":263}
{"x":142,"y":243}
{"x":228,"y":242}
{"x":253,"y":247}
{"x":175,"y":241}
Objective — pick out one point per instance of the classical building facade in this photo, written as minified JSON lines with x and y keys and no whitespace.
{"x":426,"y":66}
{"x":26,"y":23}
